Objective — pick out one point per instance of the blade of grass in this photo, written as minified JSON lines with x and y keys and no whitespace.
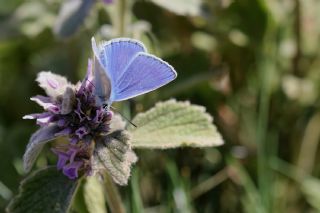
{"x":137,"y":204}
{"x":309,"y":145}
{"x":209,"y":184}
{"x":180,"y":195}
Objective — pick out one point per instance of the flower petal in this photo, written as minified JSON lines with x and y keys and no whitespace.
{"x":79,"y":112}
{"x":62,"y":122}
{"x":54,"y":85}
{"x":46,"y":103}
{"x":81,"y":132}
{"x":74,"y":140}
{"x":99,"y":116}
{"x":68,"y":101}
{"x":41,"y":100}
{"x":36,"y":143}
{"x":62,"y":158}
{"x":71,"y":170}
{"x":72,"y":153}
{"x":43,"y":119}
{"x":31,"y":116}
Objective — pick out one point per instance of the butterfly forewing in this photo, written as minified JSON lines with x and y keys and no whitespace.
{"x":116,"y":55}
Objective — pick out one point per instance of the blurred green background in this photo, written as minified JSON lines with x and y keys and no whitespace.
{"x":254,"y":64}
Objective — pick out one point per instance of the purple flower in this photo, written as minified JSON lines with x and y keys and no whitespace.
{"x":81,"y":132}
{"x":74,"y":158}
{"x":72,"y":169}
{"x":72,"y":111}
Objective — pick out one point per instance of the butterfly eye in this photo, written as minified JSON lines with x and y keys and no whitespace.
{"x":105,"y":106}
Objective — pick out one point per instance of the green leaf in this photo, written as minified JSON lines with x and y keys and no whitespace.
{"x":172,"y":124}
{"x":180,"y":192}
{"x":180,"y":7}
{"x":78,"y":203}
{"x":114,"y":153}
{"x":46,"y":190}
{"x":94,"y":195}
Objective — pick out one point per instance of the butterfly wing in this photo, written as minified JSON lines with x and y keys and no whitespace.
{"x":114,"y":56}
{"x":102,"y":83}
{"x":143,"y":74}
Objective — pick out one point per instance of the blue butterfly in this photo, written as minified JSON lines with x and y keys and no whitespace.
{"x":123,"y":69}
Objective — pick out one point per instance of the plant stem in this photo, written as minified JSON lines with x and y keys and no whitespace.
{"x":209,"y":184}
{"x":297,"y":29}
{"x":309,"y":145}
{"x":113,"y":196}
{"x":261,"y":139}
{"x":122,"y":17}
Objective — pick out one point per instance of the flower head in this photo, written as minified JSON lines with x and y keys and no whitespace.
{"x":72,"y":110}
{"x":123,"y":69}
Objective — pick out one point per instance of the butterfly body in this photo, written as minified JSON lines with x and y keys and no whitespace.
{"x":123,"y":69}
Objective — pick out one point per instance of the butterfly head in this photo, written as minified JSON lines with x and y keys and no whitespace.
{"x":106,"y":106}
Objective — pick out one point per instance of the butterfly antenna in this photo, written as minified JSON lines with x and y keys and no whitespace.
{"x":90,"y":82}
{"x":123,"y":116}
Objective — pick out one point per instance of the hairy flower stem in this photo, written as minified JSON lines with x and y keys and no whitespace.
{"x":122,"y":15}
{"x":113,"y":197}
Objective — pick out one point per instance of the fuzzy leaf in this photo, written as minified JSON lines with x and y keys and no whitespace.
{"x":94,"y":195}
{"x":180,"y":7}
{"x":71,"y":16}
{"x":117,"y":123}
{"x":172,"y":124}
{"x":114,"y":153}
{"x":46,"y":190}
{"x":36,"y":143}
